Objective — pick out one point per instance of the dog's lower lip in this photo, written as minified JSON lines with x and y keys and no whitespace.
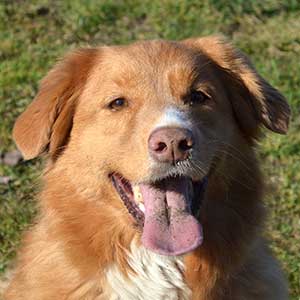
{"x":126,"y":194}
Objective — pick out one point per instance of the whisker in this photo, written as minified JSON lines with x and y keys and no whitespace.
{"x":228,"y":145}
{"x":223,"y":151}
{"x":229,"y":177}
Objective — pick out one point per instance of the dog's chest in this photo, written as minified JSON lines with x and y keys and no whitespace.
{"x":157,"y":278}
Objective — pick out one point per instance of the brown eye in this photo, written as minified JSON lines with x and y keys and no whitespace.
{"x":117,"y":104}
{"x":196,"y":98}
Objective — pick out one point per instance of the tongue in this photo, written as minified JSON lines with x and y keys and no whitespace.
{"x":170,"y":228}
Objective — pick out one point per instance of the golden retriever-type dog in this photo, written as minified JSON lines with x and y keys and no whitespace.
{"x":152,"y":188}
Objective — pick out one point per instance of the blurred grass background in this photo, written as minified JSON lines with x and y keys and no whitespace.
{"x":34,"y":34}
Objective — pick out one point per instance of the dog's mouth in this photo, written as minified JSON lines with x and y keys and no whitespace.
{"x":166,"y":211}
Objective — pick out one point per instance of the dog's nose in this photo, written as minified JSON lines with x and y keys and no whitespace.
{"x":170,"y":144}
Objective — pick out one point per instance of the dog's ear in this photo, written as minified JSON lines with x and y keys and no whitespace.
{"x":46,"y":123}
{"x":253,"y":99}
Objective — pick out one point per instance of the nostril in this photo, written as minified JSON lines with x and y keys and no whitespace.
{"x":161,"y":146}
{"x":185,"y":145}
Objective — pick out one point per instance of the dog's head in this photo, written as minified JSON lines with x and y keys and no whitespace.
{"x":153,"y":120}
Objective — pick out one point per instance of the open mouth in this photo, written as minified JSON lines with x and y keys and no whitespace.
{"x":166,"y":211}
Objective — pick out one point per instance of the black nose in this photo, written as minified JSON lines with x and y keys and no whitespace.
{"x":170,"y":144}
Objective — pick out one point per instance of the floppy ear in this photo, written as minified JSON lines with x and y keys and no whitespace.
{"x":253,"y":99}
{"x":46,"y":123}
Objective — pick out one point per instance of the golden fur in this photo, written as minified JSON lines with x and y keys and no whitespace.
{"x":83,"y":228}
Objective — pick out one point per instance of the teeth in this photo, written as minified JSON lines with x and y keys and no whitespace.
{"x":138,"y":198}
{"x":141,"y":207}
{"x":137,"y":194}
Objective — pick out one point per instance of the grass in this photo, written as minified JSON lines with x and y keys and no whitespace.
{"x":33,"y":34}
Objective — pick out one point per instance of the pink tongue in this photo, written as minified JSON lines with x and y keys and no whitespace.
{"x":170,"y":228}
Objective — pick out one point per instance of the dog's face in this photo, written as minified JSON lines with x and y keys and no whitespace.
{"x":151,"y":120}
{"x":157,"y":110}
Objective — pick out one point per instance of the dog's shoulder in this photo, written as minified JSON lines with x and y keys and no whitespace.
{"x":263,"y":272}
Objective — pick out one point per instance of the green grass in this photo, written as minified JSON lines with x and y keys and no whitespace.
{"x":33,"y":34}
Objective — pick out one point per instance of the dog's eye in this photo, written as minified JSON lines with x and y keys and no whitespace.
{"x":117,"y":104}
{"x":196,"y":97}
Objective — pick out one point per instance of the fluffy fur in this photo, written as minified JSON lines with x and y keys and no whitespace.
{"x":154,"y":277}
{"x":84,"y":244}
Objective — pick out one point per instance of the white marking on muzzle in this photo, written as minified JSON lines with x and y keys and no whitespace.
{"x":173,"y":117}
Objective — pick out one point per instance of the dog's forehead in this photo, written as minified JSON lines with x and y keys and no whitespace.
{"x":151,"y":60}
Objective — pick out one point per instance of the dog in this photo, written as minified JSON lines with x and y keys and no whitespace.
{"x":152,"y":188}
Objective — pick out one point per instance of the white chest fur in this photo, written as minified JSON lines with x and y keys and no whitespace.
{"x":157,"y":278}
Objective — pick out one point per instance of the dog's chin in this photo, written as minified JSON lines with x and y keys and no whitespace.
{"x":165,"y":210}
